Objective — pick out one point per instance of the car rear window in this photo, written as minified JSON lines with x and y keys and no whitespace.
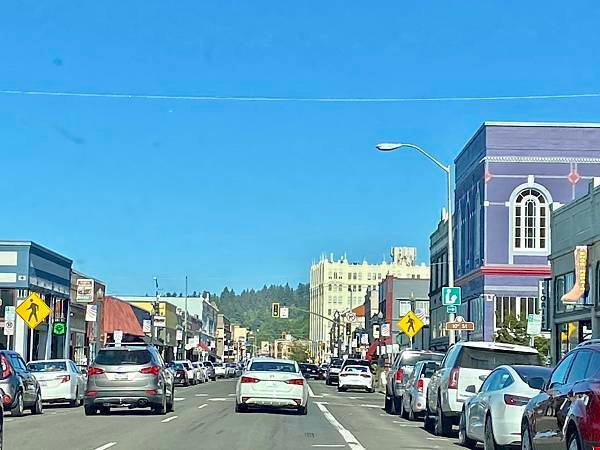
{"x":357,"y":362}
{"x":336,"y":363}
{"x":207,"y":364}
{"x":361,"y":369}
{"x":429,"y":369}
{"x":47,"y":366}
{"x":123,"y":357}
{"x":410,"y":359}
{"x":178,"y":366}
{"x":313,"y":367}
{"x":528,"y":373}
{"x":489,"y":359}
{"x":272,"y":366}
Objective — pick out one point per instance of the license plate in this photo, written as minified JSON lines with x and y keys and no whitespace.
{"x":121,"y":376}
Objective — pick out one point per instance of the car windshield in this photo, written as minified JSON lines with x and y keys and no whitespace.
{"x":47,"y":366}
{"x":489,"y":359}
{"x":272,"y":366}
{"x":123,"y":357}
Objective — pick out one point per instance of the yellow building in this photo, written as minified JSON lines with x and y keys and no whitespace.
{"x":339,"y":285}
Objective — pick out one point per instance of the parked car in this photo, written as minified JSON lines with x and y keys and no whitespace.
{"x":133,"y":376}
{"x":1,"y":423}
{"x":202,"y":377}
{"x":309,"y":371}
{"x":493,"y":416}
{"x":274,"y":383}
{"x":180,"y":374}
{"x":193,"y":375}
{"x":399,"y":373}
{"x":220,"y":370}
{"x":565,"y":415}
{"x":333,"y":371}
{"x":467,"y":364}
{"x":355,"y":362}
{"x":323,"y":371}
{"x":415,"y":393}
{"x":60,"y":381}
{"x":355,"y":377}
{"x":21,"y":389}
{"x":233,"y":370}
{"x":210,"y":370}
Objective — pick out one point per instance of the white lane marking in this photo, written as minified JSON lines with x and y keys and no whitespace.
{"x":232,"y":395}
{"x":219,"y":399}
{"x":105,"y":446}
{"x":328,"y":445}
{"x":348,"y":437}
{"x":371,"y":406}
{"x":168,"y":419}
{"x":178,"y":399}
{"x":437,"y":439}
{"x":201,"y":395}
{"x":203,"y":406}
{"x":310,"y":391}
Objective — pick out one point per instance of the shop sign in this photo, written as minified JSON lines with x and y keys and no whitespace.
{"x":85,"y":290}
{"x":581,"y":269}
{"x":90,"y":313}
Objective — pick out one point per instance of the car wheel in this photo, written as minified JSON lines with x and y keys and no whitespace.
{"x":388,"y":404}
{"x":161,"y":408}
{"x":75,"y":402}
{"x":443,"y":426}
{"x":526,"y":442}
{"x":302,"y":410}
{"x":403,"y":410}
{"x":429,"y":421}
{"x":105,"y":410}
{"x":17,"y":410}
{"x":37,"y":407}
{"x":411,"y":413}
{"x":489,"y":442}
{"x":574,"y":442}
{"x":327,"y":382}
{"x":463,"y":438}
{"x":240,"y":408}
{"x":171,"y":402}
{"x":90,"y":410}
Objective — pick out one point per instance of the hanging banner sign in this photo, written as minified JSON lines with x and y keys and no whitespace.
{"x":581,"y":268}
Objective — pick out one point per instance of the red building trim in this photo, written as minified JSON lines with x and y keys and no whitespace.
{"x":507,"y":270}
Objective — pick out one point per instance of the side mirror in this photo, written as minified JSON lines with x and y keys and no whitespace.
{"x":482,"y":377}
{"x":471,"y":389}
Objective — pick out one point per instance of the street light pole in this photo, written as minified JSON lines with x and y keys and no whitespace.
{"x":386,"y":147}
{"x":185,"y":319}
{"x":155,"y":311}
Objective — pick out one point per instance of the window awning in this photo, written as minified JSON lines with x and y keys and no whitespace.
{"x":118,"y":315}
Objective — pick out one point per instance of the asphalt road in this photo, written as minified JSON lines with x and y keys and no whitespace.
{"x":204,"y":417}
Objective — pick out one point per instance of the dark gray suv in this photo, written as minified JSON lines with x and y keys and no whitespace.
{"x":134,"y":376}
{"x":21,"y":389}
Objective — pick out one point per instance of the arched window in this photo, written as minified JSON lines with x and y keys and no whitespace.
{"x":531,"y":220}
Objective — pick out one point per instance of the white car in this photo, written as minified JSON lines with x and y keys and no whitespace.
{"x":355,"y":377}
{"x":467,"y":364}
{"x":192,"y":372}
{"x":202,"y":373}
{"x":494,"y":415}
{"x":274,"y":383}
{"x":220,"y":370}
{"x":60,"y":380}
{"x":415,"y":392}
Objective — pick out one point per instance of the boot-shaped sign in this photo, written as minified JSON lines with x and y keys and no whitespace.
{"x":581,"y":270}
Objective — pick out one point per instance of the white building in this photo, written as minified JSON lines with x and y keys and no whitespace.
{"x":341,"y":285}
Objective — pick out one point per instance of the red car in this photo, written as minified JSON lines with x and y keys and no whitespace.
{"x":566,"y":414}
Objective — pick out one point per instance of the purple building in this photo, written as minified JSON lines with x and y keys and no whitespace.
{"x":508,"y":177}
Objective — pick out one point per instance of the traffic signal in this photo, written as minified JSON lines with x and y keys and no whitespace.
{"x":275,"y":309}
{"x":348,"y":329}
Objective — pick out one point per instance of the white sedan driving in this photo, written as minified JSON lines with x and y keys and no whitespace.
{"x":60,"y":380}
{"x":270,"y":382}
{"x":355,"y":377}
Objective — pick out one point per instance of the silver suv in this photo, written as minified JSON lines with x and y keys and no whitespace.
{"x":134,"y":376}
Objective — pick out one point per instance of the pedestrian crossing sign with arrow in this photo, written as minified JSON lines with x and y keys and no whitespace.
{"x":410,"y":324}
{"x":33,"y":310}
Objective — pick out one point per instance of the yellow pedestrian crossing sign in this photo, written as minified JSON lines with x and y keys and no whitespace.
{"x":33,"y":310}
{"x":410,"y":324}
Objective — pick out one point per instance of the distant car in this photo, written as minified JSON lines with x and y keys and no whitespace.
{"x":399,"y":374}
{"x":355,"y":362}
{"x":274,"y":383}
{"x":309,"y":371}
{"x":323,"y":371}
{"x":565,"y":415}
{"x":467,"y":364}
{"x":333,"y":371}
{"x":193,"y":374}
{"x":220,"y":370}
{"x":415,"y":392}
{"x":210,"y":370}
{"x":202,"y":376}
{"x":21,"y":388}
{"x":356,"y":377}
{"x":60,"y":381}
{"x":131,"y":375}
{"x":233,"y":370}
{"x":493,"y":416}
{"x":180,"y":374}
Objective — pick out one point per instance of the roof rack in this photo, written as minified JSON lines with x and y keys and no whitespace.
{"x":589,"y":342}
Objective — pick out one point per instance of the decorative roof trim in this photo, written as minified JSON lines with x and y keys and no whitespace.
{"x":542,"y":159}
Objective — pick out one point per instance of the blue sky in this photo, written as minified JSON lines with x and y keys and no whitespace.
{"x":247,"y":193}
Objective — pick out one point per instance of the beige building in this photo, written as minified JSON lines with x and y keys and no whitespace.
{"x":339,"y":285}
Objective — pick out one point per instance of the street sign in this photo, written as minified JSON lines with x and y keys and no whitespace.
{"x":459,"y":324}
{"x":451,"y":309}
{"x":90,"y":313}
{"x":376,"y":331}
{"x":364,"y":339}
{"x":33,"y":310}
{"x":9,"y":313}
{"x":410,"y":324}
{"x":534,"y":324}
{"x":284,"y":312}
{"x":385,"y":329}
{"x":118,"y":336}
{"x":85,"y":290}
{"x":160,"y":321}
{"x":147,"y":326}
{"x":179,"y":335}
{"x":350,"y":317}
{"x":9,"y":327}
{"x":59,"y":328}
{"x":451,"y":296}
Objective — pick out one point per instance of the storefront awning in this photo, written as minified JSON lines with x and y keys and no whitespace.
{"x":118,"y":315}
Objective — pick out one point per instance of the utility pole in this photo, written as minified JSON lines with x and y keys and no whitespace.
{"x":155,"y":310}
{"x":185,"y":320}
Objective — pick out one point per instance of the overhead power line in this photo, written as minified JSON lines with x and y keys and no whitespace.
{"x":217,"y":98}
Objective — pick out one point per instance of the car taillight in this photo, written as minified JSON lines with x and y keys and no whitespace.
{"x":95,"y":371}
{"x":400,"y":375}
{"x":6,"y":369}
{"x":152,"y":370}
{"x":151,"y":391}
{"x":91,"y":393}
{"x":180,"y":373}
{"x":420,"y":385}
{"x":65,"y":379}
{"x":249,"y":380}
{"x":515,"y":400}
{"x":453,"y":381}
{"x":6,"y":399}
{"x":296,"y":381}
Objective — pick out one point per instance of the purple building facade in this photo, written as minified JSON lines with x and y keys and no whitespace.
{"x":508,"y":178}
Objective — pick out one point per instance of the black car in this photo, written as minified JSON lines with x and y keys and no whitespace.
{"x":333,"y":371}
{"x":310,"y":371}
